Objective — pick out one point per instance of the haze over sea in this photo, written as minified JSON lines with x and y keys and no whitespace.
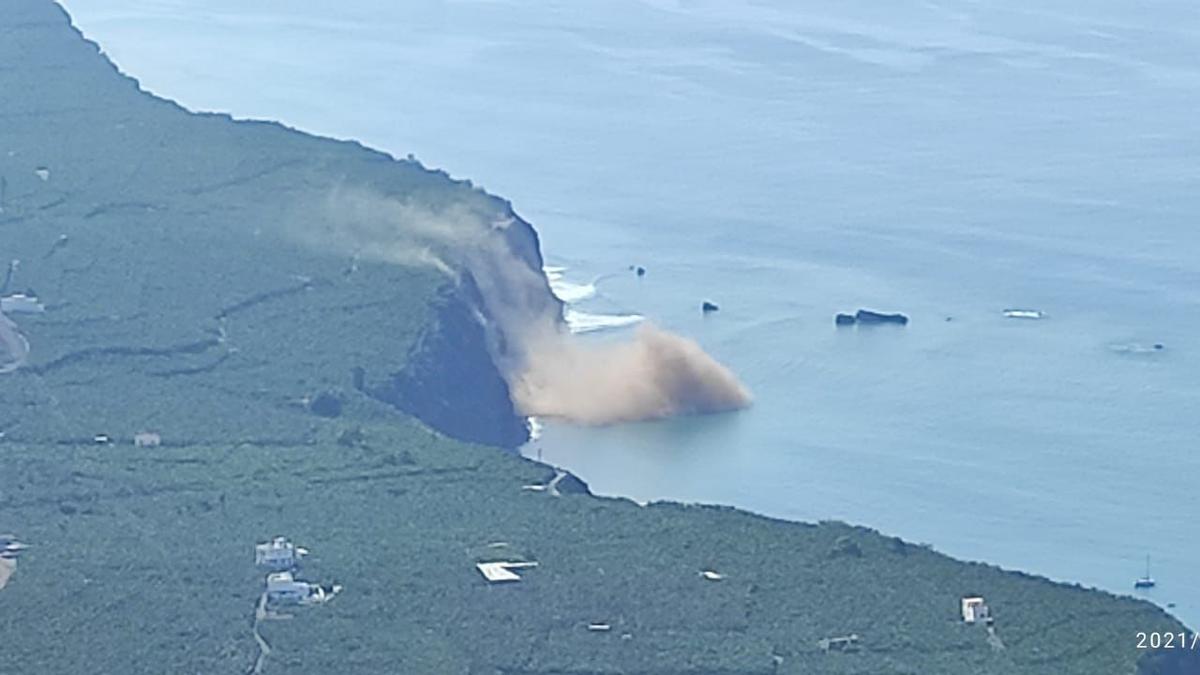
{"x":789,"y":160}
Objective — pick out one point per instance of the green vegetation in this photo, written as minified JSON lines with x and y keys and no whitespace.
{"x":178,"y":307}
{"x":143,"y":563}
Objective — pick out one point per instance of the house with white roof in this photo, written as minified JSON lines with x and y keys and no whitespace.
{"x":279,"y":554}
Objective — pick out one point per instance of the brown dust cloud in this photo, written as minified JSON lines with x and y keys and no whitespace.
{"x":653,"y":374}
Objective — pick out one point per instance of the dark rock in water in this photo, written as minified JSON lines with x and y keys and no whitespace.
{"x":707,"y":307}
{"x":326,"y":404}
{"x":843,"y":320}
{"x":867,"y":317}
{"x":641,"y":271}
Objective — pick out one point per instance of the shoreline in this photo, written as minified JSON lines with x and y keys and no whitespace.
{"x":239,"y":459}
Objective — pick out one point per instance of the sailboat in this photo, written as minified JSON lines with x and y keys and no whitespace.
{"x":1146,"y":581}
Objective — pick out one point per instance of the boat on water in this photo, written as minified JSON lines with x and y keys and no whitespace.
{"x":1146,"y":581}
{"x":1024,"y":314}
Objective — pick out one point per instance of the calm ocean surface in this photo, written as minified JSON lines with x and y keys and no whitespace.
{"x":791,"y":160}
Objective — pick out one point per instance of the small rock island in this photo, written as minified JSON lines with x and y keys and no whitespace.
{"x":866,"y":317}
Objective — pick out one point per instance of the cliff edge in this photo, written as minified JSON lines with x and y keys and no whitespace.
{"x":144,"y":230}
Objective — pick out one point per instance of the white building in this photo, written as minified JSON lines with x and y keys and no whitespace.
{"x":278,"y":554}
{"x":974,"y":609}
{"x":283,"y":588}
{"x":20,"y":303}
{"x":147,"y":439}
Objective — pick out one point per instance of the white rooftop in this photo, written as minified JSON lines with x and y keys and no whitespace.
{"x":278,"y":552}
{"x":496,"y":572}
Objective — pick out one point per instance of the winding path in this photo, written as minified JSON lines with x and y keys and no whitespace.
{"x":7,"y":567}
{"x":260,"y":613}
{"x":14,"y":348}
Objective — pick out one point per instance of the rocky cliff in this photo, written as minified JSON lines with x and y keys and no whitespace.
{"x":144,"y":230}
{"x":450,"y":381}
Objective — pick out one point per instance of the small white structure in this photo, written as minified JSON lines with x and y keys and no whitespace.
{"x":846,"y":643}
{"x":1024,"y":314}
{"x":282,"y":588}
{"x":42,"y":172}
{"x":278,"y":554}
{"x":599,"y":627}
{"x":10,"y":548}
{"x":500,"y":572}
{"x":322,"y":594}
{"x":974,"y":609}
{"x":147,"y":439}
{"x":712,"y":576}
{"x":551,"y":487}
{"x":19,"y":303}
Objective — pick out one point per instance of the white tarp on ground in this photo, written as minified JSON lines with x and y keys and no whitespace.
{"x":502,"y":571}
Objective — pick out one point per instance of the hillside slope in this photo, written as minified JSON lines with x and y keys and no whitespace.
{"x":177,"y":304}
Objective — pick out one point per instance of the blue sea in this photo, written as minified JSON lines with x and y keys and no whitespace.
{"x":788,"y":160}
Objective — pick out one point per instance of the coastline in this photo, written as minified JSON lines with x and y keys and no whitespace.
{"x":784,"y":579}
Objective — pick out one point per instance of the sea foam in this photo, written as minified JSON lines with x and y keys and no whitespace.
{"x":571,"y":293}
{"x":582,"y":322}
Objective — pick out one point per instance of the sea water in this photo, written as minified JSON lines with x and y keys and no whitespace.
{"x":787,"y":161}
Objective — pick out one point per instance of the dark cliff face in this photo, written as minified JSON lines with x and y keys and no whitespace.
{"x":523,"y":241}
{"x":450,"y":381}
{"x":453,"y":380}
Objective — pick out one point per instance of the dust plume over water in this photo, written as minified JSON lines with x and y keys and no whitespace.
{"x":550,"y":372}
